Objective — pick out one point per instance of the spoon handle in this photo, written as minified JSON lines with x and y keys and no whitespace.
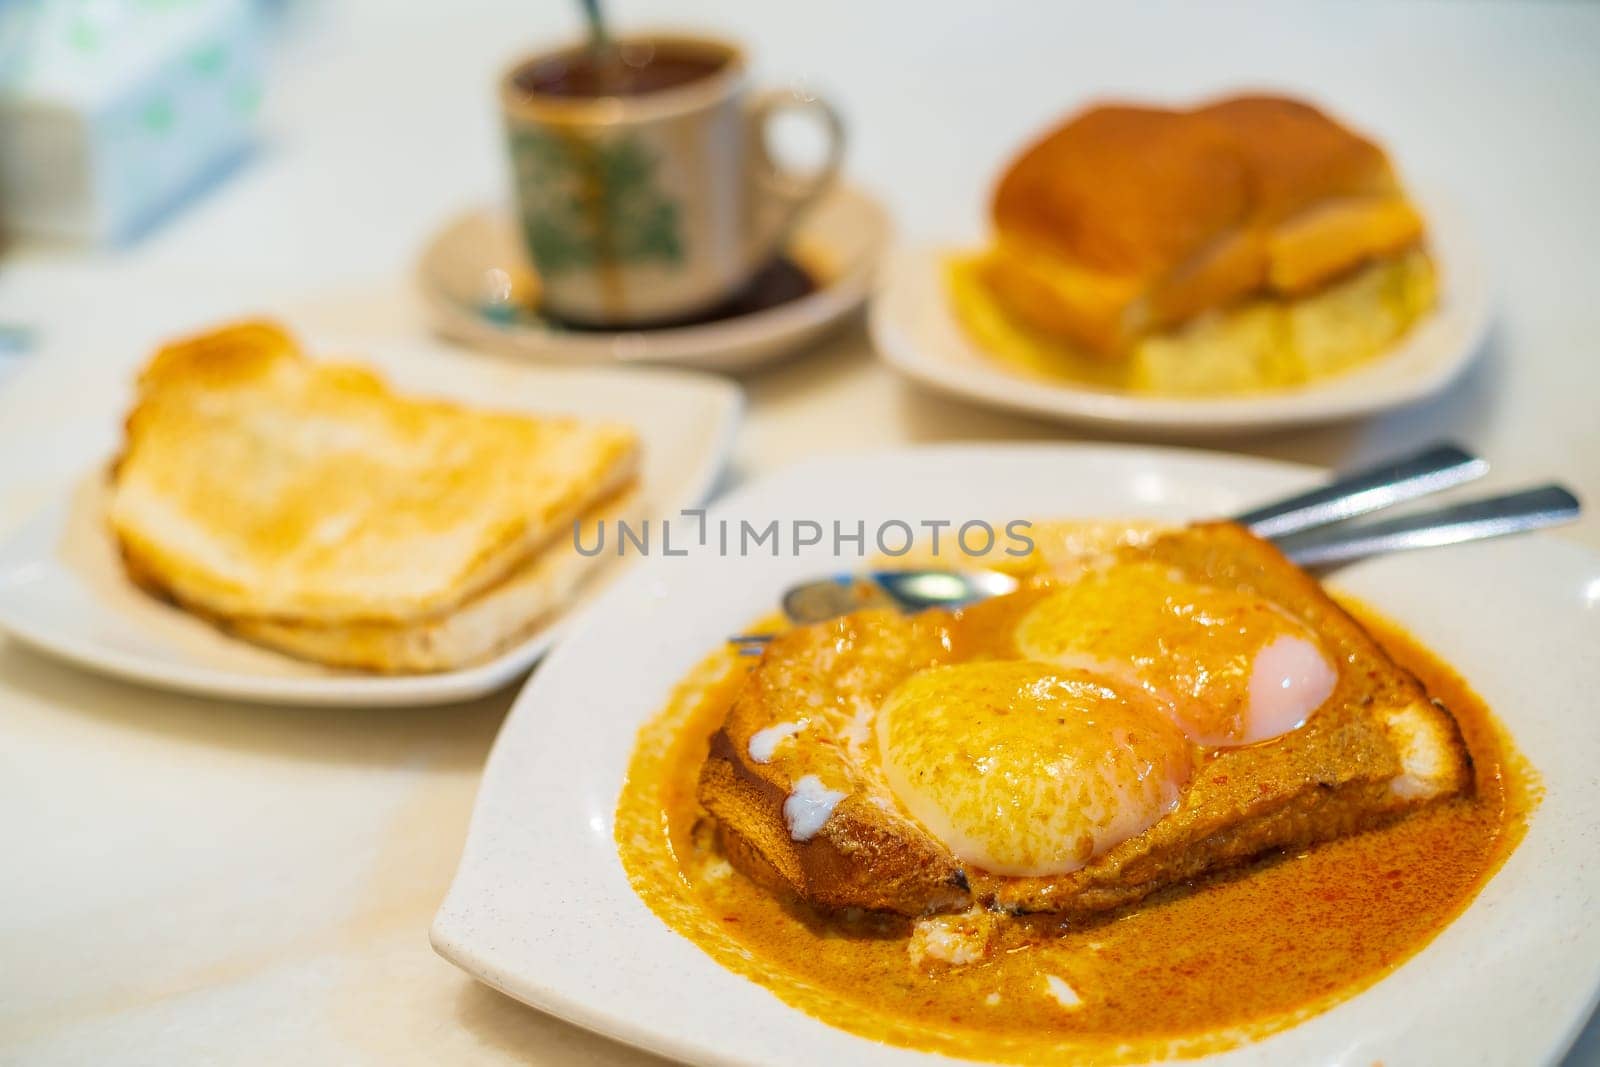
{"x":1530,"y":509}
{"x":599,"y":35}
{"x":1432,"y":470}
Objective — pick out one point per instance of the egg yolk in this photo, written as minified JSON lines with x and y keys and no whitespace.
{"x":1231,"y":667}
{"x":1025,"y":768}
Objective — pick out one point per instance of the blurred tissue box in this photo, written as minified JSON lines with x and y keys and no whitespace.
{"x":113,"y":112}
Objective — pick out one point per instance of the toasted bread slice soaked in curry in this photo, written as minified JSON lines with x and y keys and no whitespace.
{"x":799,"y":738}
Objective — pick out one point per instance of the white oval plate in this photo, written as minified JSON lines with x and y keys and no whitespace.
{"x":842,"y":238}
{"x":63,"y":590}
{"x":915,"y":331}
{"x":541,"y":909}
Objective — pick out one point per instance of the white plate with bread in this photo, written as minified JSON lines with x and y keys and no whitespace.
{"x":279,"y":527}
{"x":544,"y":904}
{"x":1268,"y":269}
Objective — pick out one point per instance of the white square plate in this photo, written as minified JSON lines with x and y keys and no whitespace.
{"x":63,"y":590}
{"x":542,"y":910}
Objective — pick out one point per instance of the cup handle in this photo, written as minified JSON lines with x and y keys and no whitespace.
{"x":782,"y":195}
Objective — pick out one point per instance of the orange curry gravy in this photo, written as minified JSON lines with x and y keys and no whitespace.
{"x":1190,"y":970}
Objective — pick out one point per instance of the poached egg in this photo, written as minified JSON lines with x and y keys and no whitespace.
{"x":1231,"y":667}
{"x":1033,"y":766}
{"x":1028,"y":768}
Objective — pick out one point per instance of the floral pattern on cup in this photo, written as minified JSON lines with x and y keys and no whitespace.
{"x":593,"y":201}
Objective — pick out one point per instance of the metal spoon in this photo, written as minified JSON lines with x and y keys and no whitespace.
{"x":909,"y":590}
{"x":603,"y":51}
{"x":1310,"y":528}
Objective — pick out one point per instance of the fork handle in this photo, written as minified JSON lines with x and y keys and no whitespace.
{"x":1530,"y":509}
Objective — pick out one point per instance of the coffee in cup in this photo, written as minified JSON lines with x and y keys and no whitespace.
{"x":644,"y":187}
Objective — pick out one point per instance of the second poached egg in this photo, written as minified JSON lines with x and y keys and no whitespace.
{"x":1231,"y":667}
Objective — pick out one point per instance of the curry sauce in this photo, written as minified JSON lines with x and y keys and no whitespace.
{"x":1194,"y":969}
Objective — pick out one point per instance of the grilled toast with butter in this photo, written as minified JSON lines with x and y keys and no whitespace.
{"x":306,"y":506}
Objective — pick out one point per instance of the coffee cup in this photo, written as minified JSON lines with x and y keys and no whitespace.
{"x":645,"y":189}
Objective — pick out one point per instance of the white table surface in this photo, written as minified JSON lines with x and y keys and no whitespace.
{"x":188,"y":881}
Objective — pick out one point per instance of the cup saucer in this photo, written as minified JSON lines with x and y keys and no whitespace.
{"x":467,"y":262}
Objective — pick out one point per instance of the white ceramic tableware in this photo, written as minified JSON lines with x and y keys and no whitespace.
{"x":916,"y":332}
{"x":541,"y":908}
{"x":64,"y":592}
{"x":465,"y":274}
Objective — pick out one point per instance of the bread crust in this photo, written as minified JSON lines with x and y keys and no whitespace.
{"x":1125,"y":189}
{"x":1296,"y":155}
{"x":476,"y":630}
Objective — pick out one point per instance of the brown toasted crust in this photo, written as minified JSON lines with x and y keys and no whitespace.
{"x":860,"y":859}
{"x":1377,"y":748}
{"x":864,"y":856}
{"x":1313,"y":815}
{"x":1130,"y":219}
{"x":1126,"y":190}
{"x":1296,"y":155}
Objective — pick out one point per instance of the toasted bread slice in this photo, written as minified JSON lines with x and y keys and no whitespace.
{"x":476,"y":630}
{"x":257,"y":484}
{"x":1127,"y":220}
{"x":1376,"y":748}
{"x":832,"y":676}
